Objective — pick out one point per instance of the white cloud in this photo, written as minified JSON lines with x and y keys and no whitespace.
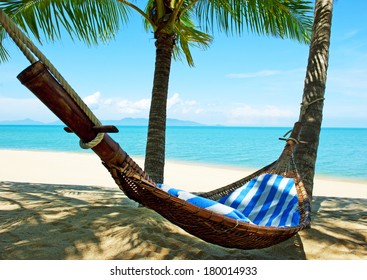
{"x":93,"y":100}
{"x":260,"y":115}
{"x":266,"y":111}
{"x":117,"y":108}
{"x":174,"y":100}
{"x":180,"y":107}
{"x":262,"y":73}
{"x":133,"y":107}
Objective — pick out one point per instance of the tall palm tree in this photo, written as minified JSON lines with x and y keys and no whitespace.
{"x":277,"y":18}
{"x":314,"y":92}
{"x":177,"y":25}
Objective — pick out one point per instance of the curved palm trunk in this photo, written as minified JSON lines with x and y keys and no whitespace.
{"x":155,"y":149}
{"x":314,"y":91}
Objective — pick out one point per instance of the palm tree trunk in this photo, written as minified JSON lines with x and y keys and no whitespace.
{"x":155,"y":149}
{"x":314,"y":91}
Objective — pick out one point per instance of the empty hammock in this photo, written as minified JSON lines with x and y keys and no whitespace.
{"x":258,"y":211}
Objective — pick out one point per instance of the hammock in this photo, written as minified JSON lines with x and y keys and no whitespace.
{"x":216,"y":226}
{"x":258,"y":211}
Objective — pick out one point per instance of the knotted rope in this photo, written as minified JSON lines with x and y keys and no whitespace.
{"x":305,"y":105}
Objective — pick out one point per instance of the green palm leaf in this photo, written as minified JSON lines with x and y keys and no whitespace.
{"x":188,"y":37}
{"x":98,"y":20}
{"x":285,"y":19}
{"x":90,"y":21}
{"x":4,"y":55}
{"x":280,"y":18}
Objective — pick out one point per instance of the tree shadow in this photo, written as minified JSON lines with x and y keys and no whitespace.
{"x":339,"y":228}
{"x":40,"y":221}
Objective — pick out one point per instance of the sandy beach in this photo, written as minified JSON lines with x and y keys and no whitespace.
{"x":57,"y":205}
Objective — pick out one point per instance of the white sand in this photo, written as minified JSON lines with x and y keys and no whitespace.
{"x":56,"y":205}
{"x":86,"y":169}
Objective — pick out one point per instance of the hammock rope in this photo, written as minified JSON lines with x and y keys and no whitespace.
{"x":305,"y":105}
{"x":93,"y":143}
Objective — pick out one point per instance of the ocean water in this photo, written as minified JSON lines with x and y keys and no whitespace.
{"x":342,"y":151}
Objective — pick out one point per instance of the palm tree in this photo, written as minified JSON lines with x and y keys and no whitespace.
{"x":173,"y":24}
{"x":314,"y":92}
{"x":278,"y":18}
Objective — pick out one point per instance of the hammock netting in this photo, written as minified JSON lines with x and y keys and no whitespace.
{"x":213,"y":226}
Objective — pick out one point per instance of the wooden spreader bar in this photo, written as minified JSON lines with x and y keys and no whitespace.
{"x":44,"y":86}
{"x":99,"y":129}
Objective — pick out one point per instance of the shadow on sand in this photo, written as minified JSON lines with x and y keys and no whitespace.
{"x":41,"y":221}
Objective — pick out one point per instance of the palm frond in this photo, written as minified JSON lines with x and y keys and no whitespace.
{"x":89,"y":21}
{"x":222,"y":15}
{"x":148,"y":11}
{"x":279,"y":18}
{"x":188,"y":36}
{"x":301,"y":19}
{"x":4,"y":54}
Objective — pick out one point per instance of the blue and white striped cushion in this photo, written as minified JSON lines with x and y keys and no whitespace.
{"x":268,"y":200}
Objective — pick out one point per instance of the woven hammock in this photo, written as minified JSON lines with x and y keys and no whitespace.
{"x":208,"y":225}
{"x":50,"y":87}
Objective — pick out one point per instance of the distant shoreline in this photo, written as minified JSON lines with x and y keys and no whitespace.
{"x":121,"y":122}
{"x":198,"y":125}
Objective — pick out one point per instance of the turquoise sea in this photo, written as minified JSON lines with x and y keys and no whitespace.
{"x":342,"y":151}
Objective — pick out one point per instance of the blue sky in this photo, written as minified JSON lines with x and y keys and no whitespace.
{"x":240,"y":81}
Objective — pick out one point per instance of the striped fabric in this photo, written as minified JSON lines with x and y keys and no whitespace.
{"x":208,"y":204}
{"x":268,"y":200}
